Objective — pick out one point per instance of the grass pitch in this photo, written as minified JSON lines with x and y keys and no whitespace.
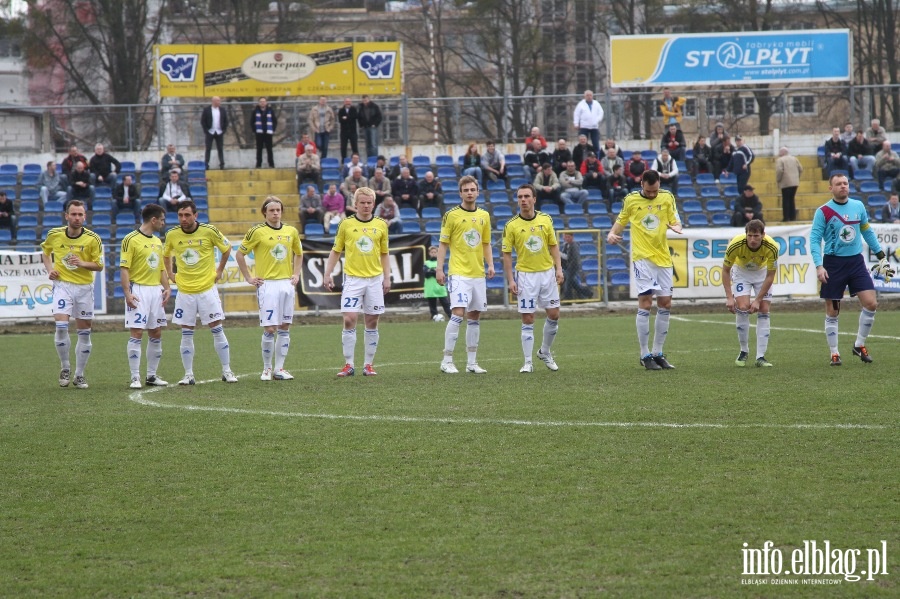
{"x":601,"y":479}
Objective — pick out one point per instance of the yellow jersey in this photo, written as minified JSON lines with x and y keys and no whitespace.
{"x":466,"y":232}
{"x":195,"y":256}
{"x":649,"y":222}
{"x":531,"y":239}
{"x":87,"y":246}
{"x":740,"y":254}
{"x":273,"y":250}
{"x":142,"y":256}
{"x":364,"y":243}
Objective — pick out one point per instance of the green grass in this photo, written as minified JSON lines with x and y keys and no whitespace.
{"x":419,"y":484}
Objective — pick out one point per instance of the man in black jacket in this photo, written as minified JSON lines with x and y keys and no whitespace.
{"x":127,"y":199}
{"x":214,"y":121}
{"x":369,"y":121}
{"x":348,"y":117}
{"x":103,"y":167}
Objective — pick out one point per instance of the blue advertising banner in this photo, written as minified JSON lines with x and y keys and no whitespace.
{"x":730,"y":58}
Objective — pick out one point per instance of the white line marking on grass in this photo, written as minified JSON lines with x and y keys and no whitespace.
{"x":794,"y":329}
{"x":138,"y":398}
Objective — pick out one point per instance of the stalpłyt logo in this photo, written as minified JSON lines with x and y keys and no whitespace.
{"x":180,"y":68}
{"x":377,"y":65}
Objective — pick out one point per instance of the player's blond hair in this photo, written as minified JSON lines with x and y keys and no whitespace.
{"x":268,"y":201}
{"x":363,"y":191}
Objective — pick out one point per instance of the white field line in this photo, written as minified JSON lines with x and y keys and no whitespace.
{"x":796,"y":330}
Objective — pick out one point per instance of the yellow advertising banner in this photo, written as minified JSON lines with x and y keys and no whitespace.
{"x":332,"y":69}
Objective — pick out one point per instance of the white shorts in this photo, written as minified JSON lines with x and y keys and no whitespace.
{"x":207,"y":305}
{"x":364,"y":294}
{"x":276,"y":302}
{"x":467,"y":292}
{"x":652,"y":278}
{"x":537,"y":290}
{"x":748,"y":282}
{"x":150,"y":313}
{"x":73,"y":299}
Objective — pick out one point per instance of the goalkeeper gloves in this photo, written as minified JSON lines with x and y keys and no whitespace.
{"x":884,"y":270}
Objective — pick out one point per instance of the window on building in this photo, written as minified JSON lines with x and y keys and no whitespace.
{"x":689,"y":111}
{"x":390,"y":121}
{"x":715,"y":107}
{"x":803,"y":104}
{"x":743,"y":106}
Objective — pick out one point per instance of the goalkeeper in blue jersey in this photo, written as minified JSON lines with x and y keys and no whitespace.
{"x":840,"y":224}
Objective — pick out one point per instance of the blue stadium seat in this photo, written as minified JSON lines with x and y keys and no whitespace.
{"x":616,"y":207}
{"x":125,"y":219}
{"x":433,"y":226}
{"x":869,"y":187}
{"x":709,"y":192}
{"x":613,"y":250}
{"x":731,"y":191}
{"x":616,"y":264}
{"x":689,"y":154}
{"x":588,"y":249}
{"x":446,"y":172}
{"x":728,"y":179}
{"x":584,"y":237}
{"x":313,"y":229}
{"x":29,"y":206}
{"x":198,"y":190}
{"x":705,"y":179}
{"x":592,"y":279}
{"x":498,"y":185}
{"x":512,"y":159}
{"x":331,"y":163}
{"x":32,"y":169}
{"x":431,"y":212}
{"x":502,"y":211}
{"x":412,"y":227}
{"x":408,"y":214}
{"x":648,"y":155}
{"x":197,"y":165}
{"x":501,"y":223}
{"x":106,"y":235}
{"x":684,"y":180}
{"x":53,"y":206}
{"x":578,"y":222}
{"x":8,"y":180}
{"x":620,"y":278}
{"x":514,"y":171}
{"x":331,"y":176}
{"x":203,"y":217}
{"x":444,"y":160}
{"x":686,"y":192}
{"x":30,"y":195}
{"x":27,"y":220}
{"x":550,"y":208}
{"x":590,"y":265}
{"x":597,"y":208}
{"x":682,"y":168}
{"x":201,"y":203}
{"x":602,"y":222}
{"x":127,"y":167}
{"x":496,"y":282}
{"x":715,"y":206}
{"x":9,"y":169}
{"x":721,"y":219}
{"x":863,"y":174}
{"x":26,"y":235}
{"x":102,"y":205}
{"x":393,"y":161}
{"x":102,"y":220}
{"x":148,"y":166}
{"x":52,"y":220}
{"x":149,"y":178}
{"x":149,"y":193}
{"x":421,"y":162}
{"x":575,"y":209}
{"x":498,"y":196}
{"x":30,"y":180}
{"x":698,"y":220}
{"x":692,"y":206}
{"x":876,"y":200}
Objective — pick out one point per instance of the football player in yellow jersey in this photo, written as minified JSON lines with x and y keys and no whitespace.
{"x":466,"y":231}
{"x":71,"y":256}
{"x":363,"y":238}
{"x":147,"y":290}
{"x":651,"y":212}
{"x":192,"y":246}
{"x":276,"y":249}
{"x":538,"y":273}
{"x":751,"y":262}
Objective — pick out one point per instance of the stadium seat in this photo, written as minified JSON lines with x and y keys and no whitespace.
{"x":513,"y":159}
{"x":550,"y":208}
{"x":8,"y":181}
{"x":616,"y":264}
{"x":728,"y":179}
{"x":715,"y":205}
{"x":575,"y":209}
{"x":53,"y":206}
{"x":705,"y":179}
{"x":148,"y":166}
{"x":502,"y":211}
{"x":201,"y":203}
{"x":313,"y":229}
{"x":9,"y":169}
{"x":393,"y":161}
{"x":602,"y":222}
{"x":721,"y":219}
{"x":709,"y":192}
{"x":331,"y":176}
{"x":26,"y":235}
{"x":30,"y":195}
{"x":876,"y":200}
{"x":698,"y":220}
{"x":127,"y":167}
{"x":499,"y":185}
{"x":731,"y":191}
{"x":588,"y":249}
{"x":198,"y":190}
{"x":596,"y":208}
{"x":613,"y":250}
{"x":446,"y":172}
{"x":863,"y":174}
{"x":102,"y":206}
{"x":125,"y":219}
{"x":869,"y":187}
{"x":106,"y":235}
{"x":684,"y":180}
{"x":501,"y":223}
{"x":421,"y":162}
{"x":408,"y":214}
{"x":590,"y":265}
{"x":30,"y":180}
{"x":433,"y":226}
{"x":620,"y":278}
{"x":102,"y":219}
{"x":331,"y":163}
{"x":578,"y":222}
{"x":29,"y":206}
{"x":692,"y":206}
{"x":5,"y":236}
{"x":686,"y":192}
{"x":27,"y":220}
{"x":592,"y":279}
{"x":648,"y":156}
{"x":431,"y":212}
{"x":444,"y":160}
{"x":616,"y":207}
{"x":584,"y":237}
{"x":203,"y":217}
{"x":31,"y":169}
{"x":499,"y":196}
{"x":496,"y":282}
{"x":412,"y":227}
{"x":514,"y":171}
{"x":52,"y":220}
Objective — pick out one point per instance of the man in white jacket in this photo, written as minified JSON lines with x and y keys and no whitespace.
{"x":588,"y":116}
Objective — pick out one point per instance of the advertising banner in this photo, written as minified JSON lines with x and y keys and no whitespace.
{"x":730,"y":58}
{"x":254,"y":70}
{"x":25,"y":290}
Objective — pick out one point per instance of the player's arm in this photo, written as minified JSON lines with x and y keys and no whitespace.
{"x":130,"y":300}
{"x":245,"y":270}
{"x":488,"y":259}
{"x":675,"y":223}
{"x":815,"y":245}
{"x":726,"y":283}
{"x":332,"y":261}
{"x":508,"y":269}
{"x":557,"y":262}
{"x":164,"y":281}
{"x":52,"y":273}
{"x":883,"y":268}
{"x":298,"y":269}
{"x":220,"y":269}
{"x":170,"y":273}
{"x":615,"y":233}
{"x":439,"y":268}
{"x":386,"y":271}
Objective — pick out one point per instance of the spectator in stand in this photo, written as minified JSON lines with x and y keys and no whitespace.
{"x":128,"y":198}
{"x":861,"y":154}
{"x":264,"y":122}
{"x":388,"y":211}
{"x":534,"y":158}
{"x":471,"y":164}
{"x":634,"y":171}
{"x":381,"y":162}
{"x":68,"y":163}
{"x":891,"y":211}
{"x":610,"y":143}
{"x":402,"y":163}
{"x":80,"y":187}
{"x":610,"y":160}
{"x":887,"y":163}
{"x":431,"y":194}
{"x":665,"y":165}
{"x":741,"y":216}
{"x":702,"y":161}
{"x":493,"y":163}
{"x":309,"y":167}
{"x":748,"y":200}
{"x":847,"y":134}
{"x":214,"y":121}
{"x":353,"y":182}
{"x":787,"y":174}
{"x":354,"y":163}
{"x":172,"y":192}
{"x":593,"y":174}
{"x":671,"y":109}
{"x":546,"y":184}
{"x":369,"y":121}
{"x":333,"y":204}
{"x":561,"y":157}
{"x":571,"y":182}
{"x":51,"y":183}
{"x":718,"y":136}
{"x":581,"y":150}
{"x":103,"y":167}
{"x":673,"y":141}
{"x":573,"y":286}
{"x":617,"y":185}
{"x":348,"y":117}
{"x":588,"y":116}
{"x":835,"y":153}
{"x":8,"y":219}
{"x":171,"y":159}
{"x":741,"y":159}
{"x":876,"y":134}
{"x":321,"y":124}
{"x":310,"y":207}
{"x":405,"y":191}
{"x":535,"y":135}
{"x":381,"y":185}
{"x":305,"y":141}
{"x":722,"y":154}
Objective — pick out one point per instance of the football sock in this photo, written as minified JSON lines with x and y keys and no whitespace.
{"x":742,"y":323}
{"x":831,"y":333}
{"x":866,"y":318}
{"x":660,"y":330}
{"x":268,"y":347}
{"x":643,"y":331}
{"x":371,"y":339}
{"x":763,"y":324}
{"x":82,"y":351}
{"x":154,"y":355}
{"x":527,"y":341}
{"x":134,"y":356}
{"x":281,"y":352}
{"x":62,"y":343}
{"x":348,"y":343}
{"x":187,"y":350}
{"x":451,"y":333}
{"x":551,"y":327}
{"x":473,"y":332}
{"x":221,"y":344}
